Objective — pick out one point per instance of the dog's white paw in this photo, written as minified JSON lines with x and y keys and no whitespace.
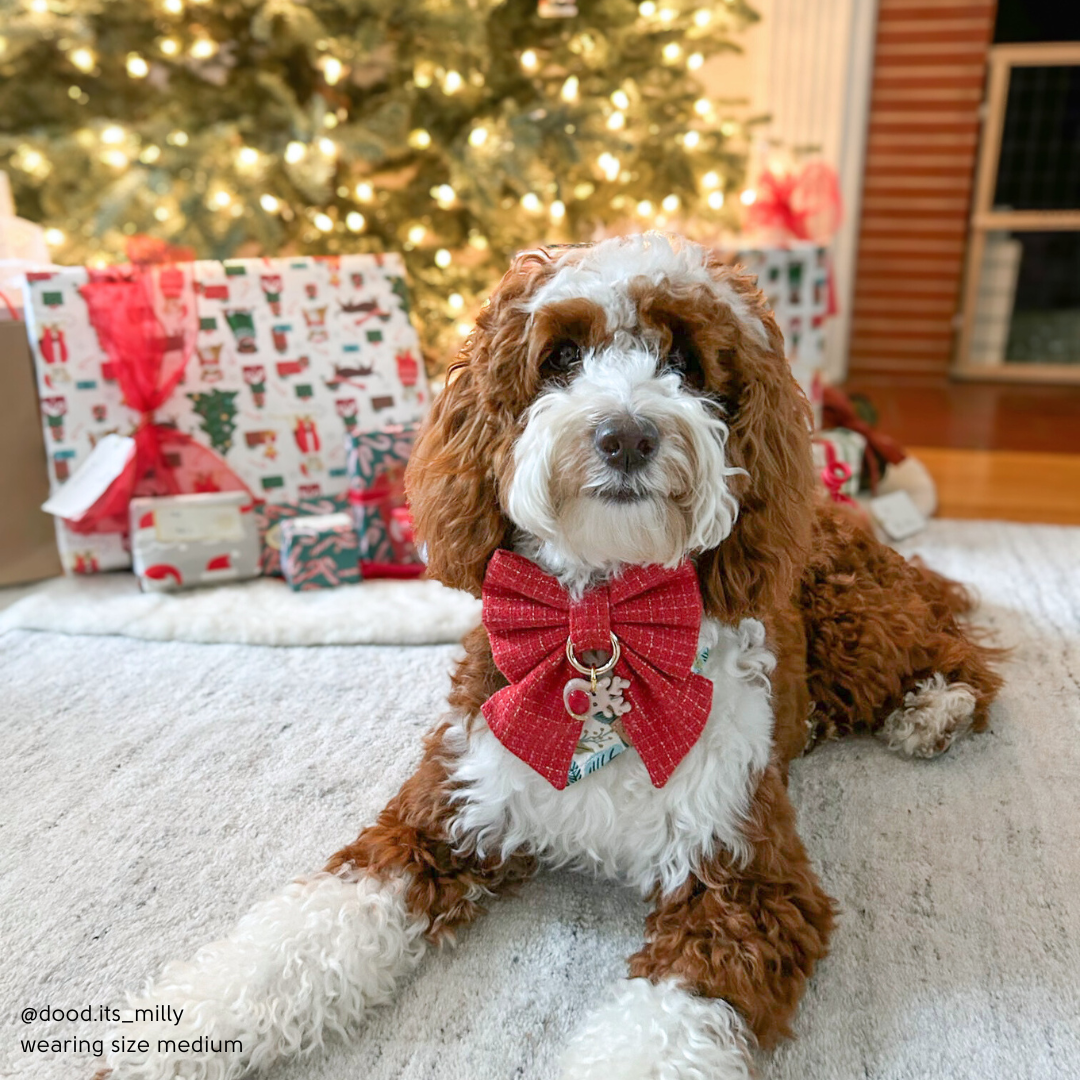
{"x":299,"y":966}
{"x":934,"y":715}
{"x":659,"y":1031}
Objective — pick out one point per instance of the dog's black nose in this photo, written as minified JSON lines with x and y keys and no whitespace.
{"x":627,"y":443}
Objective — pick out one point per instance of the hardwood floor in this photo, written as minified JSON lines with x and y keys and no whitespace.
{"x":1005,"y":485}
{"x":975,"y":416}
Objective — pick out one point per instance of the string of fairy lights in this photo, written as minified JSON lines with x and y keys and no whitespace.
{"x":186,"y":40}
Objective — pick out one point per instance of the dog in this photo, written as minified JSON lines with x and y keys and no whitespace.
{"x":620,"y":466}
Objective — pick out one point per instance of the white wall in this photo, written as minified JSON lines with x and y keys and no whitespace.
{"x":808,"y":64}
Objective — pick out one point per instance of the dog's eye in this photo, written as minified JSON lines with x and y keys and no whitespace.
{"x":683,"y":358}
{"x":562,"y":358}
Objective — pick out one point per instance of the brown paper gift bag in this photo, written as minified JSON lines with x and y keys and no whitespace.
{"x":27,"y":536}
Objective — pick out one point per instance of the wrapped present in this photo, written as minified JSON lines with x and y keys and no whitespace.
{"x":403,"y":536}
{"x":269,"y":361}
{"x":838,"y":457}
{"x":320,"y":552}
{"x":181,"y":541}
{"x":796,"y":282}
{"x":271,"y":517}
{"x":376,"y":463}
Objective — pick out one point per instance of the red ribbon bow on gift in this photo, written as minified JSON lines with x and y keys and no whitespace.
{"x":146,"y":322}
{"x":649,"y":617}
{"x":803,"y":205}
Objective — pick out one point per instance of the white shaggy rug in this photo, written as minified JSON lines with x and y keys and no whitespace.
{"x":151,"y":791}
{"x":264,"y":611}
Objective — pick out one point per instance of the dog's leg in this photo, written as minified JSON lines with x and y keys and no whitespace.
{"x":313,"y":959}
{"x":886,"y":649}
{"x":725,"y":963}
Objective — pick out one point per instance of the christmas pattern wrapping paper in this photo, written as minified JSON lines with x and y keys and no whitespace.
{"x":271,"y":517}
{"x":376,"y":461}
{"x":848,"y":448}
{"x":320,"y":552}
{"x":180,"y":541}
{"x":290,"y":355}
{"x":795,"y":281}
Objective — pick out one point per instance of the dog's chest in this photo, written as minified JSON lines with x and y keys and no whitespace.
{"x":613,"y":820}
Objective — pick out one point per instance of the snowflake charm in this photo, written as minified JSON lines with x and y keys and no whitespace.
{"x":582,"y":701}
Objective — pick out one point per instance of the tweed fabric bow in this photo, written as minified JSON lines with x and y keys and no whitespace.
{"x":654,"y":613}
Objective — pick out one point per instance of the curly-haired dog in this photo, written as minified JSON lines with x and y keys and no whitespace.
{"x":620,"y":464}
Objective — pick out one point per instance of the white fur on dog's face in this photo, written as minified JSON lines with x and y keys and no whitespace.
{"x":560,"y":495}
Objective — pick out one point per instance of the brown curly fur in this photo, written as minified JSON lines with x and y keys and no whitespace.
{"x":749,"y":934}
{"x":853,"y":625}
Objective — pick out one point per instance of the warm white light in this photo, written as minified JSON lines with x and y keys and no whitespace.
{"x":670,"y":204}
{"x":455,"y":301}
{"x":710,"y":180}
{"x":137,"y":67}
{"x":203,"y":48}
{"x":691,"y":139}
{"x":444,"y":195}
{"x":295,"y":152}
{"x":671,"y":51}
{"x":667,"y":15}
{"x":716,"y":200}
{"x":420,"y":139}
{"x":463,"y":328}
{"x":748,"y":197}
{"x":115,"y":158}
{"x":442,"y":258}
{"x":332,"y":68}
{"x":32,"y":160}
{"x":178,"y":138}
{"x":169,"y":46}
{"x":328,"y":146}
{"x":584,"y":189}
{"x":365,"y":192}
{"x":150,"y":154}
{"x":702,"y":17}
{"x":478,"y":136}
{"x":247,"y":156}
{"x":620,"y":100}
{"x":694,"y":61}
{"x":703,"y":106}
{"x":54,"y":237}
{"x":355,"y":221}
{"x":569,"y":91}
{"x":113,"y":134}
{"x":269,"y":203}
{"x":416,"y":234}
{"x":173,"y":7}
{"x":161,"y":214}
{"x":453,"y":82}
{"x":83,"y":59}
{"x":323,"y":222}
{"x":221,"y":199}
{"x":531,"y":201}
{"x":728,"y":128}
{"x":616,"y":121}
{"x":647,"y":9}
{"x":39,"y":6}
{"x":557,"y":210}
{"x":645,"y":208}
{"x":476,"y":240}
{"x":529,"y":60}
{"x":609,"y":165}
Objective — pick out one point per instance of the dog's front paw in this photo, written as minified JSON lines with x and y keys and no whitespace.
{"x":934,"y":715}
{"x":659,"y":1031}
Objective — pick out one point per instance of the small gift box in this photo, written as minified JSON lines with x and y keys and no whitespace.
{"x":271,"y":516}
{"x":320,"y":552}
{"x":179,"y":541}
{"x":375,"y":462}
{"x":838,"y":457}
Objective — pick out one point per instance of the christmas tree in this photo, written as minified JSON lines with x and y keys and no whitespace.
{"x":456,"y":131}
{"x":218,"y":411}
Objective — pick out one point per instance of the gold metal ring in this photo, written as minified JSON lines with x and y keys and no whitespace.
{"x":592,"y":672}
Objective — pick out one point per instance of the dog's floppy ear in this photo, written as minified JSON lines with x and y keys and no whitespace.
{"x":757,"y":566}
{"x":467,"y":442}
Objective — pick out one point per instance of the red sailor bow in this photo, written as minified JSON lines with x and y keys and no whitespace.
{"x":650,"y":616}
